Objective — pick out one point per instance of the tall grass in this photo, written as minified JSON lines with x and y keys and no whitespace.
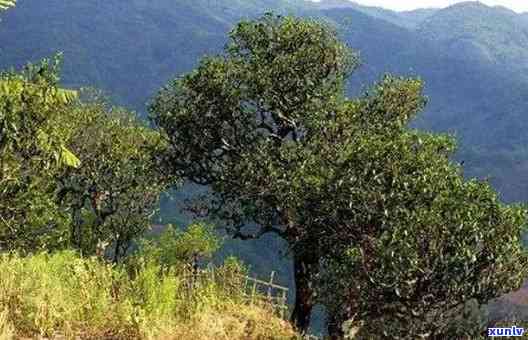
{"x":7,"y":330}
{"x":83,"y":297}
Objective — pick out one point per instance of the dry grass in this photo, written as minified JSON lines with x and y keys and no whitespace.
{"x":235,"y":323}
{"x":7,"y":331}
{"x":45,"y":295}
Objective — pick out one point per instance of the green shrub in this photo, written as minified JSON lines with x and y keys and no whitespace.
{"x":175,"y":247}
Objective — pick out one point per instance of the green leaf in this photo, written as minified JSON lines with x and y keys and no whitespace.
{"x":67,"y":96}
{"x":5,"y":4}
{"x":69,"y":159}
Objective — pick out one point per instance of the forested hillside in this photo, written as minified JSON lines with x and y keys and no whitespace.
{"x":472,"y":58}
{"x":475,"y":71}
{"x":407,"y":19}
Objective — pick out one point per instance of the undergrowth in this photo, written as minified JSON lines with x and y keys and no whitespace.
{"x":65,"y":294}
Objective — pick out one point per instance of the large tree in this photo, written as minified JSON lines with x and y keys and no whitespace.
{"x":240,"y":121}
{"x":405,"y":242}
{"x":360,"y":199}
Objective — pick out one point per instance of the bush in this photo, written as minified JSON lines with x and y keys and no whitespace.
{"x":176,"y":248}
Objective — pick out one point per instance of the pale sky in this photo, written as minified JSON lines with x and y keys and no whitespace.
{"x":404,"y":5}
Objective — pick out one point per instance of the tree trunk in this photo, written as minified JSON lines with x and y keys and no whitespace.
{"x":117,"y":251}
{"x":334,"y":326}
{"x":305,"y":267}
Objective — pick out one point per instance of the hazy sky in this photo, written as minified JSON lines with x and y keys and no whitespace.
{"x":402,"y":5}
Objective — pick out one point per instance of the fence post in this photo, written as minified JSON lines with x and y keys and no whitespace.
{"x":253,"y":291}
{"x":245,"y":285}
{"x":212,"y":275}
{"x":284,"y":305}
{"x":270,"y":284}
{"x":277,"y":302}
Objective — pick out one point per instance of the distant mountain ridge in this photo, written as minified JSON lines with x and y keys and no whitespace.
{"x":407,"y":19}
{"x":497,"y":33}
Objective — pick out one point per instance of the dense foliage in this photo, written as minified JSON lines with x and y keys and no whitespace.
{"x":374,"y":206}
{"x":32,"y":153}
{"x":411,"y":240}
{"x":113,"y":194}
{"x":74,"y":174}
{"x":175,"y":247}
{"x":239,"y":121}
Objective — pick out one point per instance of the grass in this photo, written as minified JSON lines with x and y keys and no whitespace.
{"x":63,"y":293}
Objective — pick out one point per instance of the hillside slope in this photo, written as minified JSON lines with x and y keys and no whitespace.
{"x":127,"y":48}
{"x":478,"y":32}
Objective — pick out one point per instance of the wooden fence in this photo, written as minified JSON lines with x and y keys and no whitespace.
{"x":267,"y":292}
{"x":255,"y":291}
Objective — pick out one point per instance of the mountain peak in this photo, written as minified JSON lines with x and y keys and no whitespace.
{"x":478,"y":7}
{"x":405,"y":19}
{"x":471,"y":16}
{"x":496,"y":34}
{"x":326,"y":4}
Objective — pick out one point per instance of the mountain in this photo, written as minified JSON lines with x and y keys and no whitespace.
{"x":407,"y":19}
{"x":473,"y":59}
{"x":488,"y":98}
{"x":416,"y":17}
{"x":491,"y":34}
{"x":127,"y":48}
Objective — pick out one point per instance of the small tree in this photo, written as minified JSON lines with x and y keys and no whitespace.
{"x":177,"y":247}
{"x":113,"y":194}
{"x":32,"y":152}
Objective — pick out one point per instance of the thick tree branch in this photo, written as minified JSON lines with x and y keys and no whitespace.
{"x":262,"y":231}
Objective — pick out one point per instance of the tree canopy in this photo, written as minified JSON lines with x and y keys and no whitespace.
{"x":113,"y":194}
{"x":32,"y":152}
{"x":75,"y":172}
{"x":237,"y":122}
{"x":406,"y":241}
{"x":360,"y":197}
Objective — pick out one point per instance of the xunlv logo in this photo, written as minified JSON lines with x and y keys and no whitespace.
{"x":510,"y":331}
